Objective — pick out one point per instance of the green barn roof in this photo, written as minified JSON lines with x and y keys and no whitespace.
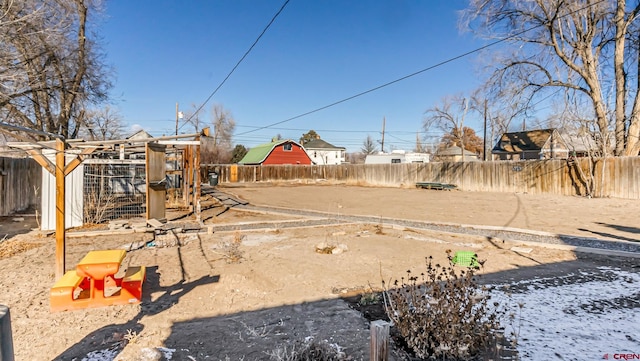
{"x":259,"y":153}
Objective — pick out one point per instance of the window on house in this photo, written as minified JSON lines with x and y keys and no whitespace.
{"x":286,"y":147}
{"x":395,"y":160}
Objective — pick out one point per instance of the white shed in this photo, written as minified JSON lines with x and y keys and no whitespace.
{"x":74,"y":211}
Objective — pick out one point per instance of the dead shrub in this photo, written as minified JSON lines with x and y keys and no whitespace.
{"x":309,"y":350}
{"x":443,"y":313}
{"x":97,"y":206}
{"x":230,"y":250}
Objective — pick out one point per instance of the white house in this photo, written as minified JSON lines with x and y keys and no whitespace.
{"x":397,"y":156}
{"x":323,"y":153}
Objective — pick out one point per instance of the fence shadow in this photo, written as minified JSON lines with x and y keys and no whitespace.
{"x":170,"y":295}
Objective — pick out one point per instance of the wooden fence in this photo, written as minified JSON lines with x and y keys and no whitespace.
{"x":620,"y":178}
{"x":20,"y":182}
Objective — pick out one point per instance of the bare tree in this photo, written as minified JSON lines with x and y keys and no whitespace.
{"x":51,"y":65}
{"x":223,"y":127}
{"x":102,"y":124}
{"x":194,"y":117}
{"x":448,"y":117}
{"x":369,"y":146}
{"x":578,"y":46}
{"x":419,"y":148}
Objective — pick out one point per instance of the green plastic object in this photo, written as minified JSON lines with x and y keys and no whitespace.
{"x":466,"y":259}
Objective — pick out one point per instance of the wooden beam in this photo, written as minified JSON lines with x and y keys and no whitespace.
{"x":36,"y":154}
{"x":78,"y":159}
{"x":179,"y":142}
{"x":60,"y":208}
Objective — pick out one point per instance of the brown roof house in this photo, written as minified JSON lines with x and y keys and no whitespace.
{"x":533,"y":144}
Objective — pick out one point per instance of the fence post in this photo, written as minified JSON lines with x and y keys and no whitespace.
{"x":379,"y":340}
{"x":6,"y":340}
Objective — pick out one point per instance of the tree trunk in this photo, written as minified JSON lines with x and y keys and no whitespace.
{"x":620,"y":78}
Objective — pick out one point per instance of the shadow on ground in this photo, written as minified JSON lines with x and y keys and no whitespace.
{"x":17,"y":224}
{"x":111,"y":336}
{"x":254,"y":335}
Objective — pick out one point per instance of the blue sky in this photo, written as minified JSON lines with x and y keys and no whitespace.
{"x":314,"y":54}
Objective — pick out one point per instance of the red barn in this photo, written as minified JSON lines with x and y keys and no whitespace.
{"x":278,"y":152}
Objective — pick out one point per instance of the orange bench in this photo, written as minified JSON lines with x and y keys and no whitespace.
{"x":67,"y":289}
{"x":92,"y":283}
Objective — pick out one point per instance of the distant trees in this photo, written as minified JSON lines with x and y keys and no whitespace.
{"x":448,"y":117}
{"x":309,"y":136}
{"x":219,"y":149}
{"x":369,"y":146}
{"x":223,"y":127}
{"x":238,"y":152}
{"x":195,"y":118}
{"x":52,"y":70}
{"x":472,"y":142}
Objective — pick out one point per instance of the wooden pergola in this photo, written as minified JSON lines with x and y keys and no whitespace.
{"x":155,"y":167}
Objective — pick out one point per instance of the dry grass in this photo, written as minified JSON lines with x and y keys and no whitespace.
{"x":10,"y":248}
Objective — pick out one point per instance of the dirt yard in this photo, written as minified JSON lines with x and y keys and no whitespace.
{"x":242,"y":294}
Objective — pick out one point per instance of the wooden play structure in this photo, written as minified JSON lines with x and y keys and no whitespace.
{"x":68,"y":154}
{"x":94,"y":283}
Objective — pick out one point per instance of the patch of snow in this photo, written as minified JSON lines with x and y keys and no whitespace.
{"x":167,"y":352}
{"x":576,"y":317}
{"x":101,"y":355}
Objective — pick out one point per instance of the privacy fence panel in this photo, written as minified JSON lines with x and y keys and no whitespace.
{"x":20,"y":181}
{"x":614,"y":177}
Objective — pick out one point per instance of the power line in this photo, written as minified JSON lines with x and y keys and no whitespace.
{"x":237,"y":64}
{"x":437,"y":65}
{"x":332,"y":130}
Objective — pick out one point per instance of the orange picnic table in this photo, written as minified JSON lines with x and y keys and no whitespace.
{"x":93,"y":283}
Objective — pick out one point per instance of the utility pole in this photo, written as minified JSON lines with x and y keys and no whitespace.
{"x":382,"y":142}
{"x":484,"y":142}
{"x":464,"y":112}
{"x":177,"y":117}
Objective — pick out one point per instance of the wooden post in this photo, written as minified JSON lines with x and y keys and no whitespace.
{"x":6,"y":340}
{"x":60,"y":208}
{"x":197,"y":181}
{"x":379,"y":341}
